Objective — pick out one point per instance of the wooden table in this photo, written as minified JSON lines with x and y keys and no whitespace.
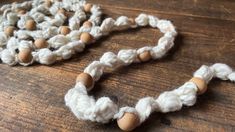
{"x":32,"y":98}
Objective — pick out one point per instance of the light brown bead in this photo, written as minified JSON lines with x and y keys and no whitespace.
{"x":200,"y":83}
{"x":87,"y":24}
{"x":86,"y":38}
{"x":21,"y":11}
{"x":128,"y":122}
{"x":30,"y":25}
{"x":40,"y":43}
{"x":48,"y":3}
{"x":145,"y":56}
{"x":25,"y":56}
{"x":132,"y":20}
{"x":87,"y":7}
{"x":85,"y":79}
{"x":9,"y":31}
{"x":64,"y":30}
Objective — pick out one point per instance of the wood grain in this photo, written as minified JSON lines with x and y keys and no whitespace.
{"x":31,"y":98}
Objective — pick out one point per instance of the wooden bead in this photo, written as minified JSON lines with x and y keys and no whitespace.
{"x":21,"y":11}
{"x":64,"y":30}
{"x":87,"y":24}
{"x":40,"y":43}
{"x":145,"y":56}
{"x":87,"y":7}
{"x":128,"y":122}
{"x":200,"y":83}
{"x":86,"y":38}
{"x":30,"y":25}
{"x":9,"y":31}
{"x":25,"y":56}
{"x":86,"y":79}
{"x":48,"y":3}
{"x":132,"y":20}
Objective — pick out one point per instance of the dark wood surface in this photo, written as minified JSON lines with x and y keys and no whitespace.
{"x":32,"y":98}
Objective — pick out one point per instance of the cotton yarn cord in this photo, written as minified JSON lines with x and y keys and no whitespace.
{"x":85,"y":107}
{"x":41,"y":30}
{"x":45,"y":31}
{"x":49,"y":30}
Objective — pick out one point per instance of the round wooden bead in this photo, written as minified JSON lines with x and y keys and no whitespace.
{"x":86,"y":79}
{"x":128,"y":122}
{"x":48,"y":3}
{"x":87,"y":7}
{"x":145,"y":56}
{"x":86,"y":38}
{"x":132,"y":20}
{"x":21,"y":11}
{"x":30,"y":25}
{"x":25,"y":56}
{"x":87,"y":24}
{"x":40,"y":43}
{"x":64,"y":30}
{"x":9,"y":31}
{"x":201,"y":85}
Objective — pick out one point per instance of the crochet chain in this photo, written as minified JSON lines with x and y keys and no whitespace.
{"x":46,"y":31}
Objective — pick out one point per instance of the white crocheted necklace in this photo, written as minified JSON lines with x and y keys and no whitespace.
{"x":55,"y":41}
{"x":46,"y":31}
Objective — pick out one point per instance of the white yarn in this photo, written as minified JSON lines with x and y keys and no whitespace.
{"x":96,"y":32}
{"x":12,"y":44}
{"x":58,"y":41}
{"x":221,"y":71}
{"x":74,"y":35}
{"x":109,"y":59}
{"x":38,"y":17}
{"x":78,"y":46}
{"x":145,"y":107}
{"x":122,"y":22}
{"x":12,"y":18}
{"x":205,"y":73}
{"x":142,"y":20}
{"x":107,"y":25}
{"x":65,"y":51}
{"x":153,"y":21}
{"x":44,"y":56}
{"x":143,"y":49}
{"x":165,"y":26}
{"x":218,"y":70}
{"x":3,"y":39}
{"x":8,"y":57}
{"x":127,"y":56}
{"x":22,"y":34}
{"x":49,"y":29}
{"x":23,"y":44}
{"x":95,"y":69}
{"x":83,"y":106}
{"x":21,"y":23}
{"x":168,"y":101}
{"x":187,"y":93}
{"x":101,"y":110}
{"x":231,"y":76}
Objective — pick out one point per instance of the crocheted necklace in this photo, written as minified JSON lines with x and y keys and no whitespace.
{"x":52,"y":41}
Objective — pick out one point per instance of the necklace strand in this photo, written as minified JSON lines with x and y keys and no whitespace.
{"x":40,"y":37}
